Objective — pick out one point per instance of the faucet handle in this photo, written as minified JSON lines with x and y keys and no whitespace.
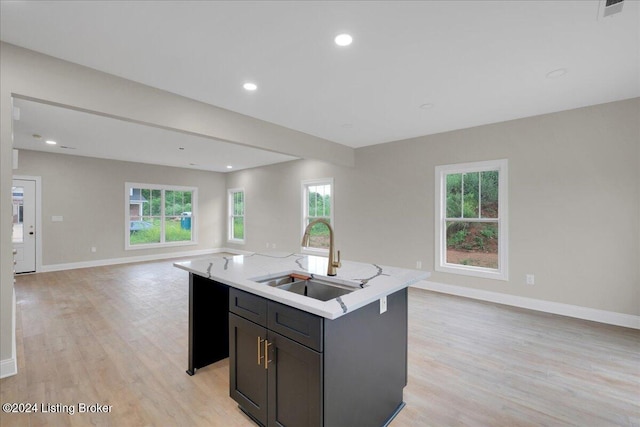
{"x":337,"y":263}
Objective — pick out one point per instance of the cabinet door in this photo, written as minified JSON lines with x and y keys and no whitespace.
{"x":295,"y":383}
{"x":247,"y":372}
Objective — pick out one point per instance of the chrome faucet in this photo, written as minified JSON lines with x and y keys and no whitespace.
{"x":331,"y":269}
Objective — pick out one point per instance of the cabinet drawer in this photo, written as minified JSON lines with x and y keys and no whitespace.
{"x":300,"y":326}
{"x":249,"y":306}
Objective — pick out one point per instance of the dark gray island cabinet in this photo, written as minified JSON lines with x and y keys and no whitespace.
{"x":292,"y":368}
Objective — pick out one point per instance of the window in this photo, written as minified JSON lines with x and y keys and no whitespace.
{"x":236,"y":215}
{"x":471,"y":219}
{"x":317,"y":203}
{"x":157,"y":215}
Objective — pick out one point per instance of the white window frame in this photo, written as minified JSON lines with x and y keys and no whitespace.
{"x":501,"y":273}
{"x":162,"y":244}
{"x":230,"y":206}
{"x":305,"y":184}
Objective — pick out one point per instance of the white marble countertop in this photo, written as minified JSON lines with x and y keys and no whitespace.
{"x":371,"y":281}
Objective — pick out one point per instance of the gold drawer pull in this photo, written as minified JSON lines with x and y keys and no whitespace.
{"x":259,"y":345}
{"x":266,"y":353}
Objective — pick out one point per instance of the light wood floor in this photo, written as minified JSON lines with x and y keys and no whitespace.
{"x":118,"y":336}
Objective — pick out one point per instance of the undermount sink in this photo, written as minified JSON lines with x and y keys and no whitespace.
{"x":320,"y":289}
{"x":316,"y":289}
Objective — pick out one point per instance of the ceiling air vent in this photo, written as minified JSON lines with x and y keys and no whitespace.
{"x":610,"y":7}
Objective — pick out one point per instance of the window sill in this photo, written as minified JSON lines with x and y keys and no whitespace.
{"x":314,"y":251}
{"x":485,"y":273}
{"x":159,"y":245}
{"x":236,"y":241}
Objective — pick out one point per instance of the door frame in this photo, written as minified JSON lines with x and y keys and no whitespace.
{"x":38,"y":197}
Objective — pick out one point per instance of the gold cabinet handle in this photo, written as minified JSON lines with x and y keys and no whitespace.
{"x":266,"y":353}
{"x":259,"y":346}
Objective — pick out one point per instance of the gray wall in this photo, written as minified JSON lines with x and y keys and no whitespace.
{"x":574,"y":203}
{"x":90,"y":195}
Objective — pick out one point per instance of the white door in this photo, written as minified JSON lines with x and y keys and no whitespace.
{"x":24,"y":224}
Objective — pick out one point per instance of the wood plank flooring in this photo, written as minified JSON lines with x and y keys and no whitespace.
{"x":117,"y":336}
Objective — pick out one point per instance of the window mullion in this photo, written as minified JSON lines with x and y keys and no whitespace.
{"x":162,"y":212}
{"x":462,"y":196}
{"x":472,"y":219}
{"x":479,"y":194}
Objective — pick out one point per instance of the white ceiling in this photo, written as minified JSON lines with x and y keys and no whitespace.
{"x":84,"y":134}
{"x":477,"y":62}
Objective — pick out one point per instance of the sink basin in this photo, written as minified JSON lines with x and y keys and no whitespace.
{"x":316,"y":289}
{"x":277,"y":280}
{"x":320,"y":289}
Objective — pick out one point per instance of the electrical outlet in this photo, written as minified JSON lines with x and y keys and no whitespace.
{"x":531,"y":280}
{"x":418,"y":265}
{"x":94,"y":249}
{"x":383,"y":304}
{"x":267,"y":245}
{"x":273,"y":246}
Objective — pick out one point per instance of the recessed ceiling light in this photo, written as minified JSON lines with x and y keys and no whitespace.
{"x":36,"y":136}
{"x":229,"y":167}
{"x":426,"y":106}
{"x":556,"y":73}
{"x":250,"y":86}
{"x":180,"y":148}
{"x":343,"y":39}
{"x":50,"y":142}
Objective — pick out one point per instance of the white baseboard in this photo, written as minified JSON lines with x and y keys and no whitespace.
{"x":127,"y":260}
{"x":9,"y":367}
{"x":586,"y":313}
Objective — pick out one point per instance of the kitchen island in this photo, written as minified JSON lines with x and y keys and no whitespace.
{"x":297,"y":357}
